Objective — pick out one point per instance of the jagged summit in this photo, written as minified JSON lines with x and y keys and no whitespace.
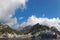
{"x":39,"y":27}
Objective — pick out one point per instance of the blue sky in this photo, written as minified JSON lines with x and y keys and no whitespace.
{"x":49,"y":8}
{"x":21,"y":13}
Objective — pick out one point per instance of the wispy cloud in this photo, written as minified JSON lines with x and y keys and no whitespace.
{"x":21,"y":18}
{"x":43,"y":15}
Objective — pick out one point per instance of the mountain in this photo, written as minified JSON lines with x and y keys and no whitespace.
{"x":26,"y":29}
{"x":37,"y":27}
{"x":35,"y":30}
{"x":41,"y":31}
{"x":44,"y":31}
{"x":8,"y":29}
{"x":55,"y":30}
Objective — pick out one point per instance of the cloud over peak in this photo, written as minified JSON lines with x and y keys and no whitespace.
{"x":44,"y":21}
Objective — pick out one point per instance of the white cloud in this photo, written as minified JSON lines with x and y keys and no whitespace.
{"x":44,"y":21}
{"x":21,"y":18}
{"x":7,"y":9}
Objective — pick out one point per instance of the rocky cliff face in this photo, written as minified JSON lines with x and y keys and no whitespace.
{"x":41,"y":30}
{"x":36,"y":30}
{"x":7,"y":31}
